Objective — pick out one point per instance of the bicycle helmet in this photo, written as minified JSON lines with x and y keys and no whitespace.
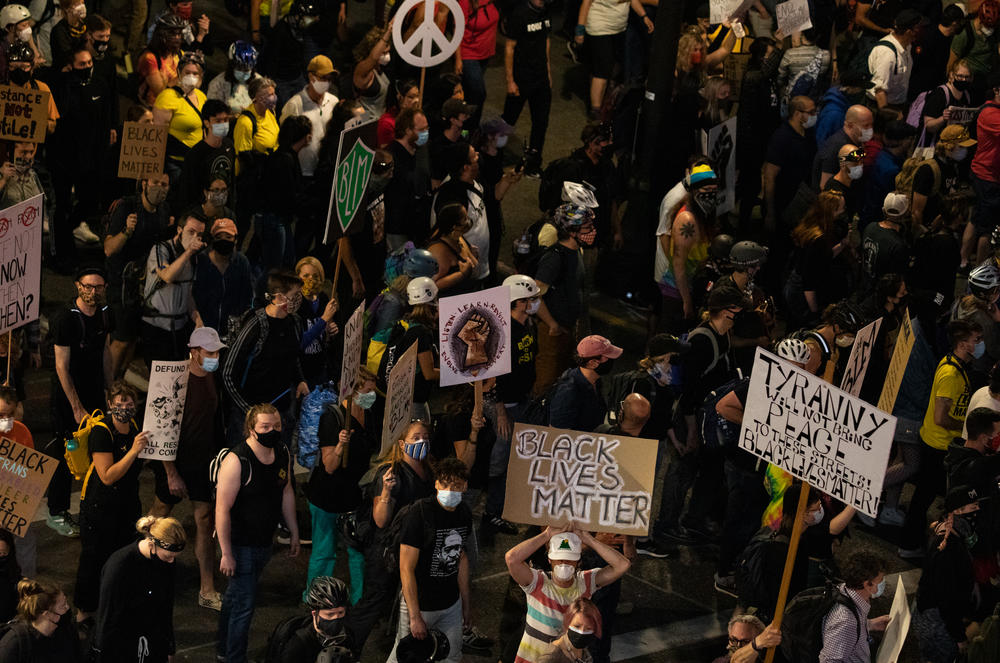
{"x":13,"y":14}
{"x":521,"y":287}
{"x":579,"y":194}
{"x":794,"y":350}
{"x":303,"y":8}
{"x":421,"y":290}
{"x":420,"y":262}
{"x":19,"y":51}
{"x":170,"y":21}
{"x":747,"y":254}
{"x":434,"y":647}
{"x":983,"y":279}
{"x":846,"y":318}
{"x":243,"y":54}
{"x":721,"y":247}
{"x":327,"y":592}
{"x":571,"y":217}
{"x":191,"y":57}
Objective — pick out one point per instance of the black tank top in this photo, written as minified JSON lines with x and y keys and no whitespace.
{"x":257,"y":508}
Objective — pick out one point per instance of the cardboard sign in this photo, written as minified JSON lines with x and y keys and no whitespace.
{"x":144,"y":146}
{"x":816,"y":432}
{"x":474,"y":335}
{"x":20,"y":263}
{"x":793,"y":16}
{"x":601,"y":482}
{"x":399,"y":397}
{"x":897,"y":365}
{"x":861,"y":354}
{"x":353,"y":340}
{"x":355,"y":157}
{"x":898,"y":628}
{"x":719,"y":144}
{"x":427,"y":46}
{"x":723,"y":10}
{"x":733,"y":68}
{"x":962,"y":115}
{"x":25,"y":115}
{"x":168,"y":382}
{"x":24,"y":476}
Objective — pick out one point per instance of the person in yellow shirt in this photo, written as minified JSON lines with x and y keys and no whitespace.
{"x":943,"y":420}
{"x":179,"y":107}
{"x":255,"y":135}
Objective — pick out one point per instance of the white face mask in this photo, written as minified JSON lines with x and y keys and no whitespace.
{"x":384,"y":59}
{"x":320,"y":87}
{"x":502,"y":141}
{"x":190,"y":81}
{"x":563,"y":571}
{"x":25,"y":34}
{"x":844,"y":340}
{"x":987,"y":31}
{"x":959,"y":153}
{"x":810,"y":121}
{"x":662,"y":373}
{"x":6,"y":424}
{"x":532,"y":307}
{"x":855,"y":172}
{"x":816,"y":517}
{"x":866,"y":134}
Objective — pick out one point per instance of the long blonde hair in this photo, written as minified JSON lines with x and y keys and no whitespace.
{"x":35,"y":597}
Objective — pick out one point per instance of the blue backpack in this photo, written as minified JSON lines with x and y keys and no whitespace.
{"x":313,"y":406}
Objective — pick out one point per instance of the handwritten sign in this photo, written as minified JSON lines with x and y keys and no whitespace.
{"x":816,"y":432}
{"x":474,"y":335}
{"x":603,"y":481}
{"x":861,"y":354}
{"x":793,"y":16}
{"x":897,"y":365}
{"x":723,"y":10}
{"x":719,"y":144}
{"x":962,"y":115}
{"x":353,"y":340}
{"x":144,"y":147}
{"x":168,"y":382}
{"x":399,"y":397}
{"x":24,"y":476}
{"x":733,"y":68}
{"x":25,"y":114}
{"x":898,"y":628}
{"x":20,"y":263}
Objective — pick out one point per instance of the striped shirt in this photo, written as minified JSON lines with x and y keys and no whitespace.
{"x":547,"y":604}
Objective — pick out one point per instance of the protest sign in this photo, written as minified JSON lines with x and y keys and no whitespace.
{"x":720,"y":11}
{"x":168,"y":382}
{"x":25,"y":115}
{"x":861,"y":354}
{"x":144,"y":146}
{"x":427,"y":46}
{"x":897,"y":365}
{"x":898,"y":628}
{"x":962,"y":115}
{"x":399,"y":396}
{"x":793,"y":16}
{"x":602,"y":482}
{"x":24,"y":476}
{"x":20,"y":263}
{"x":355,"y":157}
{"x":719,"y":143}
{"x":353,"y":339}
{"x":733,"y":68}
{"x":814,"y":431}
{"x":474,"y":335}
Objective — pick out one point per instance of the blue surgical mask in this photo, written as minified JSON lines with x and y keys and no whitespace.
{"x":422,"y":137}
{"x":365,"y":400}
{"x":502,"y":141}
{"x":210,"y":364}
{"x":449,"y":499}
{"x":880,"y":590}
{"x":220,"y":129}
{"x":661,"y":373}
{"x":416,"y":450}
{"x":979,"y":350}
{"x":241,"y":76}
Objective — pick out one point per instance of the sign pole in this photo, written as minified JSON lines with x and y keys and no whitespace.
{"x":423,"y":72}
{"x":10,"y":338}
{"x":786,"y":576}
{"x":477,"y":409}
{"x":340,"y":259}
{"x":347,"y":426}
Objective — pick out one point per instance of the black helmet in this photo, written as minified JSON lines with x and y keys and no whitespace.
{"x":721,"y":247}
{"x":327,"y":592}
{"x":19,"y":51}
{"x":170,"y":21}
{"x":727,"y":295}
{"x":846,"y":317}
{"x":303,"y":8}
{"x":434,"y":647}
{"x":747,"y":254}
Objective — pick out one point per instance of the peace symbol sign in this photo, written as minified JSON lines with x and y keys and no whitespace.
{"x":417,"y":50}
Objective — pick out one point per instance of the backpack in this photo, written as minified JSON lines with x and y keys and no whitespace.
{"x":25,"y":642}
{"x":703,"y":331}
{"x":750,"y":580}
{"x":78,"y":446}
{"x":314,"y":405}
{"x":538,"y":410}
{"x":358,"y":526}
{"x":985,"y":646}
{"x":392,"y":535}
{"x":250,"y":182}
{"x":282,"y":635}
{"x":904,"y":178}
{"x":802,"y":623}
{"x":915,"y":118}
{"x":551,"y":182}
{"x":246,"y":469}
{"x":716,"y":430}
{"x":376,"y":360}
{"x":804,"y":82}
{"x":527,"y":251}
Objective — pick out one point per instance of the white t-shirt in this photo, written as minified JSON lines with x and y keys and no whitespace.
{"x":668,"y":209}
{"x":981,"y":398}
{"x":478,"y":235}
{"x":237,"y":94}
{"x":319,"y":114}
{"x":890,"y":70}
{"x":607,"y":17}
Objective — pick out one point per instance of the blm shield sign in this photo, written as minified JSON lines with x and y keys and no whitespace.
{"x":355,"y":157}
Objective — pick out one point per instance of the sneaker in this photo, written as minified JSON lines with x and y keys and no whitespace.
{"x":83,"y":233}
{"x":571,"y":48}
{"x":285,"y":537}
{"x":681,"y":535}
{"x":726,"y":585}
{"x":474,"y":640}
{"x":213,"y":601}
{"x":498,"y":524}
{"x":652,"y":548}
{"x":533,"y":171}
{"x":866,"y":520}
{"x":891,"y":516}
{"x":63,"y":524}
{"x":910,"y":553}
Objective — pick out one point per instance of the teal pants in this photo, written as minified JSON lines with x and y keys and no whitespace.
{"x":323,"y":557}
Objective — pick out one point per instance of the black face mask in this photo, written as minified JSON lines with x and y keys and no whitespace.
{"x":270,"y":439}
{"x":19,"y":76}
{"x":223,"y":247}
{"x":961,"y":86}
{"x":101,"y":47}
{"x":82,"y":76}
{"x":332,"y":629}
{"x":605,"y":368}
{"x":580,"y":640}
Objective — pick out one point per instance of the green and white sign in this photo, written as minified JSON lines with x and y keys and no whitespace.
{"x":355,"y":156}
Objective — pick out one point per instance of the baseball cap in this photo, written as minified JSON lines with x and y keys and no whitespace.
{"x":224,"y":226}
{"x":206,"y":338}
{"x":959,"y":496}
{"x":908,"y":19}
{"x":455,"y":107}
{"x":565,"y":546}
{"x":662,"y":344}
{"x":956,"y":133}
{"x":597,"y":346}
{"x":496,"y":125}
{"x":321,"y":66}
{"x":895,"y":204}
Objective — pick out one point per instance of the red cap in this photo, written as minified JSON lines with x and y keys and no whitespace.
{"x":597,"y":346}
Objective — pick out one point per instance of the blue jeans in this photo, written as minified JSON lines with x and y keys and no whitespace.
{"x":474,"y":85}
{"x":238,"y":602}
{"x":277,"y":246}
{"x":324,"y":552}
{"x":496,"y":487}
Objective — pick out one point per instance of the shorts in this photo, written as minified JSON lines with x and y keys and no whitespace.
{"x":605,"y":52}
{"x":195,"y":477}
{"x":987,"y":206}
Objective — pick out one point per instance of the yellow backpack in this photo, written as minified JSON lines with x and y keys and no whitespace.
{"x":78,"y":449}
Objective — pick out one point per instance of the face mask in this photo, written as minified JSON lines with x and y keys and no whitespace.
{"x":294,"y":303}
{"x":333,"y":629}
{"x":82,"y":76}
{"x":959,"y":153}
{"x":696,"y":58}
{"x":416,"y":450}
{"x":183,"y":12}
{"x":100,"y":47}
{"x":979,"y":350}
{"x":855,"y":172}
{"x":961,"y":86}
{"x":210,"y":364}
{"x":422,"y":137}
{"x":987,"y":32}
{"x":965,"y":529}
{"x":80,"y":11}
{"x":308,"y":21}
{"x":19,"y":76}
{"x":190,"y":82}
{"x":22,"y":164}
{"x":449,"y":499}
{"x":320,"y":87}
{"x":384,"y":59}
{"x":220,"y":129}
{"x":90,"y":298}
{"x":501,"y":141}
{"x":706,"y":201}
{"x":156,"y":194}
{"x":879,"y":590}
{"x":816,"y":518}
{"x":310,"y":286}
{"x":844,"y":341}
{"x":241,"y":76}
{"x":270,"y":439}
{"x":580,"y":639}
{"x":532,"y":307}
{"x":224,"y":247}
{"x":6,"y":424}
{"x":605,"y":368}
{"x":662,"y":374}
{"x":365,"y":400}
{"x":563,"y":571}
{"x":217,"y":198}
{"x":122,"y":413}
{"x":866,"y":135}
{"x":587,"y":238}
{"x":270,"y":101}
{"x":25,"y":34}
{"x":810,"y":122}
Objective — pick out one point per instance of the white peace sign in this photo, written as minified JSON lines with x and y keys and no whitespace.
{"x":427,"y":34}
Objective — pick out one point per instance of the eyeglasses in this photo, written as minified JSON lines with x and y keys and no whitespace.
{"x":739,"y":642}
{"x":87,"y":287}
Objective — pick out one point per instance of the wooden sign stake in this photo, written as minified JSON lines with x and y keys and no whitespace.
{"x":786,"y":576}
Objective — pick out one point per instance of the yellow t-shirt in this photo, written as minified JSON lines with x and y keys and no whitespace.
{"x":950,"y":381}
{"x":266,"y":138}
{"x":185,"y":121}
{"x":283,"y":8}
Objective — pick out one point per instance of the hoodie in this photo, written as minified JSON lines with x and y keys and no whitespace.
{"x":966,"y":466}
{"x":833,"y":108}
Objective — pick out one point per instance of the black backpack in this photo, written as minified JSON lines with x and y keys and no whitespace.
{"x":282,"y":635}
{"x":750,"y":575}
{"x":527,"y":251}
{"x":802,"y":624}
{"x":717,"y":431}
{"x":358,"y":527}
{"x":537,"y":411}
{"x":551,"y":182}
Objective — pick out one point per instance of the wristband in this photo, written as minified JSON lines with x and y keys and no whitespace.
{"x":753,"y":644}
{"x":580,"y":30}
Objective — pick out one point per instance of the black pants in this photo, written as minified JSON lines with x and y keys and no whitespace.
{"x":928,"y":483}
{"x":606,"y":599}
{"x":161,"y":345}
{"x":744,"y":508}
{"x":105,"y":526}
{"x":376,"y":600}
{"x":539,"y":97}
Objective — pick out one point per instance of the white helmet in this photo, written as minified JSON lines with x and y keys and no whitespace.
{"x":421,"y":290}
{"x":12,"y":14}
{"x":579,"y":194}
{"x":521,"y":287}
{"x":793,"y":349}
